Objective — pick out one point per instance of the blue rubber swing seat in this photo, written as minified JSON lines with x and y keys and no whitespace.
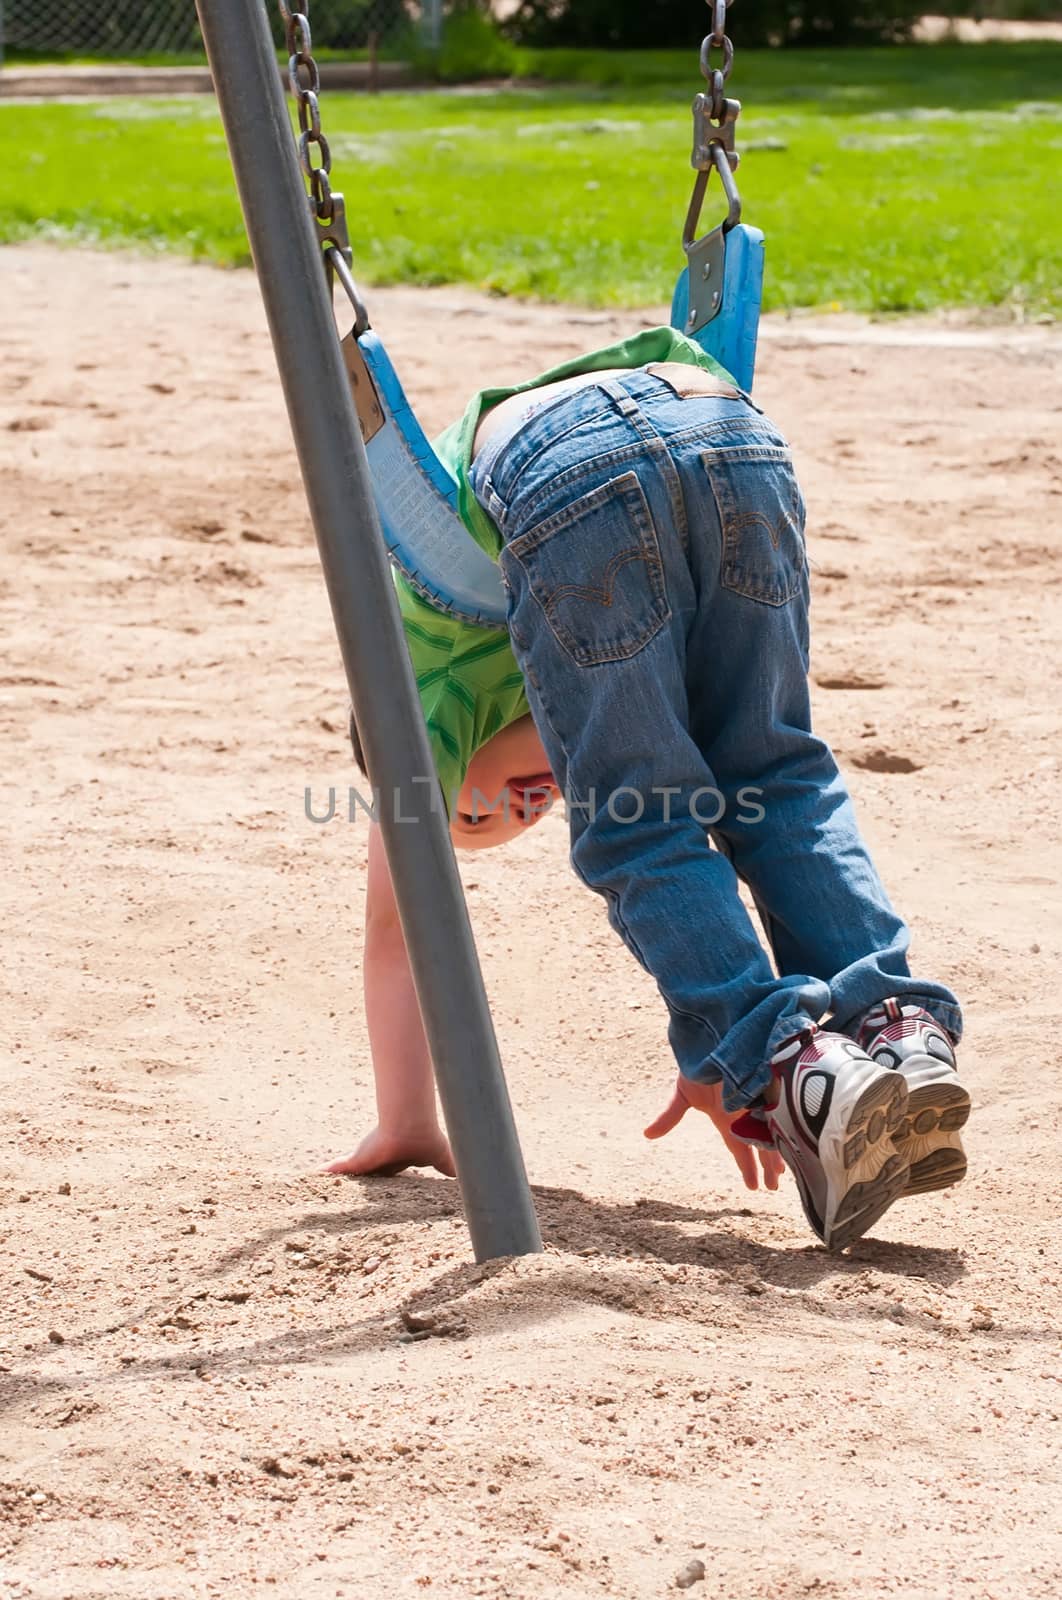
{"x":416,"y":494}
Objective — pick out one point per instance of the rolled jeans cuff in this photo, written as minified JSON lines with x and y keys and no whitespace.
{"x":740,"y":1093}
{"x":947,"y":1012}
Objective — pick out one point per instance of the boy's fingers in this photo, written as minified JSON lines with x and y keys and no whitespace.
{"x":751,"y":1162}
{"x":669,"y":1118}
{"x":444,"y":1163}
{"x":746,"y":1161}
{"x":745,"y":1157}
{"x":773,"y":1167}
{"x":356,"y":1166}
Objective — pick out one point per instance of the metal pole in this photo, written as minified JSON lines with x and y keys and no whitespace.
{"x":494,"y":1187}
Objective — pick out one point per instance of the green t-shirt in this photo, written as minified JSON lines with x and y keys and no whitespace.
{"x":470,"y":685}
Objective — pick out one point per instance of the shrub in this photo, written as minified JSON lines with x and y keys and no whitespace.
{"x":634,"y":24}
{"x":472,"y":45}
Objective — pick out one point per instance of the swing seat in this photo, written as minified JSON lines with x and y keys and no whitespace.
{"x":725,"y":324}
{"x":416,"y":496}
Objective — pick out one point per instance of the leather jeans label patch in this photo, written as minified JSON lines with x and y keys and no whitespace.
{"x":689,"y":382}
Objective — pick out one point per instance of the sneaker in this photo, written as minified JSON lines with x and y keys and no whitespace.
{"x":907,"y":1039}
{"x":833,"y":1126}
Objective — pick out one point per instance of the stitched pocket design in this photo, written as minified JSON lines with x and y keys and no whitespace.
{"x":761,"y":515}
{"x":595,"y":571}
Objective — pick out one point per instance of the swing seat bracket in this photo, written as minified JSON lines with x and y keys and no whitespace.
{"x":710,"y":134}
{"x":706,"y":258}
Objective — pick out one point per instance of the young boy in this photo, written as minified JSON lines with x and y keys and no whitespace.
{"x":650,"y":534}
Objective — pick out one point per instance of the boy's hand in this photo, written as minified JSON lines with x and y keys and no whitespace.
{"x":384,"y":1154}
{"x":708,"y":1097}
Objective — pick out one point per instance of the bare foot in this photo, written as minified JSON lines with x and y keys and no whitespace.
{"x":385,"y":1154}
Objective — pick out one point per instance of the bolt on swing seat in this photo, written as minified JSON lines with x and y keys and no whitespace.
{"x":730,"y":336}
{"x":718,"y":295}
{"x":716,"y":303}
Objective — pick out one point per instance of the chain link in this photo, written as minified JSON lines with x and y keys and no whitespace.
{"x":305,"y":79}
{"x":714,"y":76}
{"x":714,"y":119}
{"x":315,"y":157}
{"x":714,"y":115}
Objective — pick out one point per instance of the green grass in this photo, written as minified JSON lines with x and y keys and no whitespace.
{"x":175,"y":58}
{"x":886,"y":180}
{"x":70,"y":58}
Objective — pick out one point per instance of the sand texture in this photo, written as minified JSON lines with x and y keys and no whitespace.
{"x":207,"y":1384}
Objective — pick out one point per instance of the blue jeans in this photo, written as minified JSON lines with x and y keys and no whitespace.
{"x":658,"y":609}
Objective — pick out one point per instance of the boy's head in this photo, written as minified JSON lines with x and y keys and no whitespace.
{"x":507,"y":789}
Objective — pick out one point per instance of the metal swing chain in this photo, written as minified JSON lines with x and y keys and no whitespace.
{"x":714,"y":119}
{"x":718,"y":40}
{"x":299,"y":41}
{"x":326,"y":203}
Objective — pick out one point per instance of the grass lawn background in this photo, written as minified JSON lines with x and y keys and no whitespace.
{"x":885,"y":180}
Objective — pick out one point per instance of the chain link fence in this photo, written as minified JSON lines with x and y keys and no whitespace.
{"x":137,"y":30}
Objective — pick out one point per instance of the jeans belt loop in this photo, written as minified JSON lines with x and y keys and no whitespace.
{"x":496,"y":505}
{"x":625,"y":403}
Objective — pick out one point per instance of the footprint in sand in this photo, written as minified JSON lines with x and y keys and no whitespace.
{"x":884,"y":761}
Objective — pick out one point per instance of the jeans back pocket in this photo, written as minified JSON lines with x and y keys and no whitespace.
{"x":761,"y":516}
{"x":594,"y":568}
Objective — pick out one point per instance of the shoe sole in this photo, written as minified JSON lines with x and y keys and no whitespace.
{"x":929,"y":1137}
{"x":875,"y":1172}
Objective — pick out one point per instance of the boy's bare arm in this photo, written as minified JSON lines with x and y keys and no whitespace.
{"x":407,"y":1133}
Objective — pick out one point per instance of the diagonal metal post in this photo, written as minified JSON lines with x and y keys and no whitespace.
{"x":497,"y":1199}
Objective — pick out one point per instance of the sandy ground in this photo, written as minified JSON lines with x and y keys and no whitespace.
{"x":205,"y":1385}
